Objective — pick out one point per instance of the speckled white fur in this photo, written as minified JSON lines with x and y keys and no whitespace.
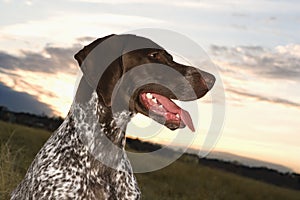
{"x":77,"y":161}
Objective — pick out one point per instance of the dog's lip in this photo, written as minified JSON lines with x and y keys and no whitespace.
{"x":163,"y":106}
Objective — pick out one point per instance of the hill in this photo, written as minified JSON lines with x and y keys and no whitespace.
{"x":187,"y":178}
{"x":283,"y":179}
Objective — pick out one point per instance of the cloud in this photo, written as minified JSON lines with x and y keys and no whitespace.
{"x":50,"y":60}
{"x":239,"y":14}
{"x":77,"y":22}
{"x":283,"y":62}
{"x":262,"y":74}
{"x":48,"y":76}
{"x":86,"y":39}
{"x":22,"y":102}
{"x":258,"y":97}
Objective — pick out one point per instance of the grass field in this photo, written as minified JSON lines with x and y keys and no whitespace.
{"x":181,"y":180}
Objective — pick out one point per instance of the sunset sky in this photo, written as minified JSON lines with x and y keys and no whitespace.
{"x":254,"y":44}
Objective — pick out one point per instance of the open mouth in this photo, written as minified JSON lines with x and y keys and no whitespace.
{"x":174,"y":116}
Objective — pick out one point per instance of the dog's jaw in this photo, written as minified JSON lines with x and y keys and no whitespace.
{"x":173,"y":116}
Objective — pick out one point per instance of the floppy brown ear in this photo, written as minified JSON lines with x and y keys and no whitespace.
{"x":81,"y":55}
{"x":101,"y":64}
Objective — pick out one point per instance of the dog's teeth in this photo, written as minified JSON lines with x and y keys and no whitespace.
{"x":154,"y":100}
{"x":149,"y":96}
{"x":177,"y":115}
{"x":161,"y":106}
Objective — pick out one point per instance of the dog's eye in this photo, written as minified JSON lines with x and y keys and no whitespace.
{"x":154,"y":55}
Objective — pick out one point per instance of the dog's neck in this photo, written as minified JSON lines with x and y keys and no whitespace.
{"x":95,"y":119}
{"x":101,"y":131}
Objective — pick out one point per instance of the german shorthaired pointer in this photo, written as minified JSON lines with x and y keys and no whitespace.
{"x":85,"y":157}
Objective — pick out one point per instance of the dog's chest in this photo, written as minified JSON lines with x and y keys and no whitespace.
{"x":67,"y":167}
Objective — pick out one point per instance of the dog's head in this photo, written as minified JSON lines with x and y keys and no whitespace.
{"x":136,"y":72}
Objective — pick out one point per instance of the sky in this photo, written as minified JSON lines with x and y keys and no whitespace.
{"x":254,"y":44}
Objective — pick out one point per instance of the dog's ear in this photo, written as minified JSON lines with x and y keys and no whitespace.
{"x":82,"y":54}
{"x":101,"y":64}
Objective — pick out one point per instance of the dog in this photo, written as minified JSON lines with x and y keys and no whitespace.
{"x":122,"y":75}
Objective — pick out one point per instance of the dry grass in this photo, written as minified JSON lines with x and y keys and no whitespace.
{"x":181,"y":180}
{"x":8,"y":169}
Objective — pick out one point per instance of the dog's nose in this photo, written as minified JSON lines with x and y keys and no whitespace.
{"x":209,"y":80}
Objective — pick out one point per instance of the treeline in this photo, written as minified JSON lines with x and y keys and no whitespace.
{"x":31,"y":120}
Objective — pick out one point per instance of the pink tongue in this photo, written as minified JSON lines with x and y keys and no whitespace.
{"x":186,"y":118}
{"x":172,"y":107}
